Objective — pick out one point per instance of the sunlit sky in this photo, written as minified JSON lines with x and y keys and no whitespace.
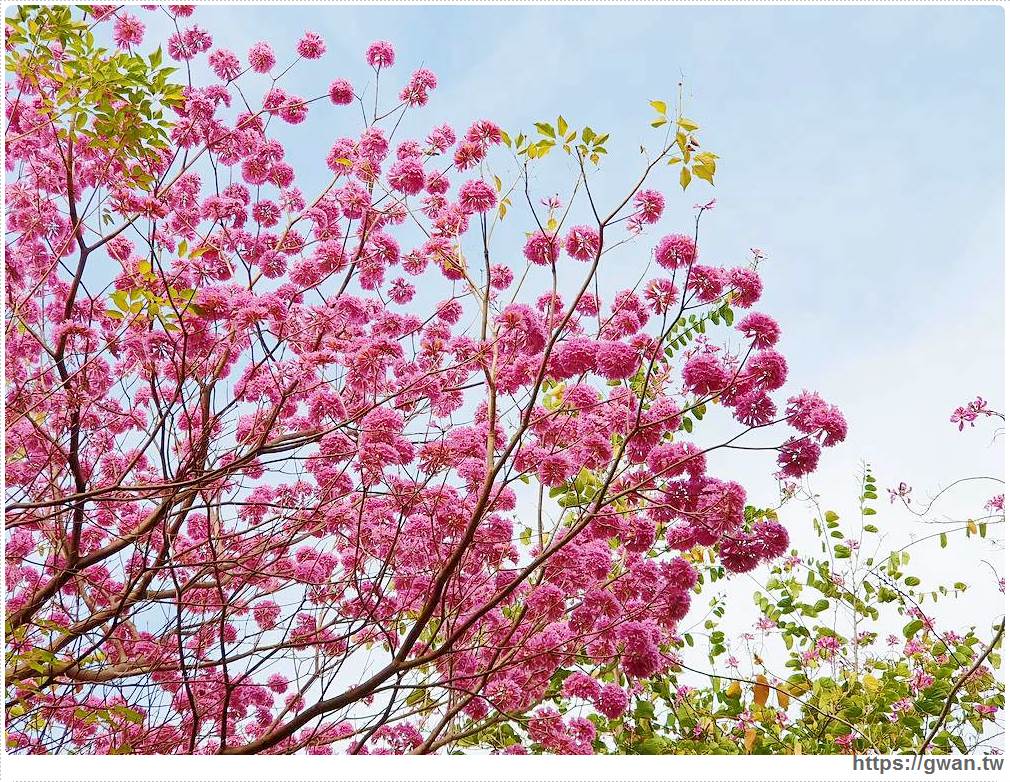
{"x":860,"y":147}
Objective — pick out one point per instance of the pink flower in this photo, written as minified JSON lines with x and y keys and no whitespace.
{"x":612,"y":701}
{"x":373,"y":145}
{"x":615,"y":360}
{"x":409,"y":150}
{"x":178,"y":48}
{"x":640,"y":657}
{"x":293,"y":110}
{"x":746,"y":285}
{"x":554,"y":469}
{"x":484,"y":133}
{"x":582,"y":242}
{"x":810,"y":414}
{"x":380,"y":54}
{"x":803,"y":411}
{"x":754,"y":408}
{"x":661,"y":294}
{"x":128,"y":31}
{"x":311,"y":46}
{"x":266,"y":213}
{"x":706,"y":281}
{"x":705,"y":373}
{"x":798,"y":457}
{"x":477,"y":196}
{"x":407,"y":176}
{"x":574,"y":356}
{"x":541,"y":249}
{"x":266,"y":613}
{"x":198,"y":40}
{"x":467,"y":155}
{"x":832,"y":425}
{"x":671,"y":459}
{"x":760,"y":328}
{"x":401,"y":291}
{"x":901,"y":493}
{"x":225,"y":64}
{"x":768,"y":369}
{"x":186,"y":44}
{"x":968,"y":414}
{"x":261,"y":57}
{"x":341,"y":92}
{"x":772,"y":539}
{"x":675,"y":251}
{"x":442,"y":138}
{"x":649,"y":205}
{"x":450,"y":311}
{"x":273,"y":264}
{"x":501,"y":277}
{"x":415,"y":93}
{"x":739,"y":553}
{"x":341,"y":155}
{"x":580,"y":685}
{"x":424,"y":78}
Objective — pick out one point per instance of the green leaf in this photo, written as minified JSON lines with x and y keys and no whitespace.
{"x":652,"y":746}
{"x":545,"y":128}
{"x":704,"y":171}
{"x":658,"y":105}
{"x":912,"y":628}
{"x":133,"y":716}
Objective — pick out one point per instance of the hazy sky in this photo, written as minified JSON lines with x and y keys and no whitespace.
{"x":861,"y":148}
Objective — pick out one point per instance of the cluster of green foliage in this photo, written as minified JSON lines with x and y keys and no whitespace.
{"x":116,"y":99}
{"x":822,"y":678}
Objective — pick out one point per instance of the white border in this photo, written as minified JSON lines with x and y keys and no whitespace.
{"x":310,"y":768}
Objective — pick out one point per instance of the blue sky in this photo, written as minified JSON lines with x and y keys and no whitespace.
{"x":861,"y":148}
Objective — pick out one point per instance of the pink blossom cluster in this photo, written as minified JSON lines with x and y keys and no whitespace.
{"x":296,"y":428}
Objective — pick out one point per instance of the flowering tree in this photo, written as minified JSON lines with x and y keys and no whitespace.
{"x":266,"y":494}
